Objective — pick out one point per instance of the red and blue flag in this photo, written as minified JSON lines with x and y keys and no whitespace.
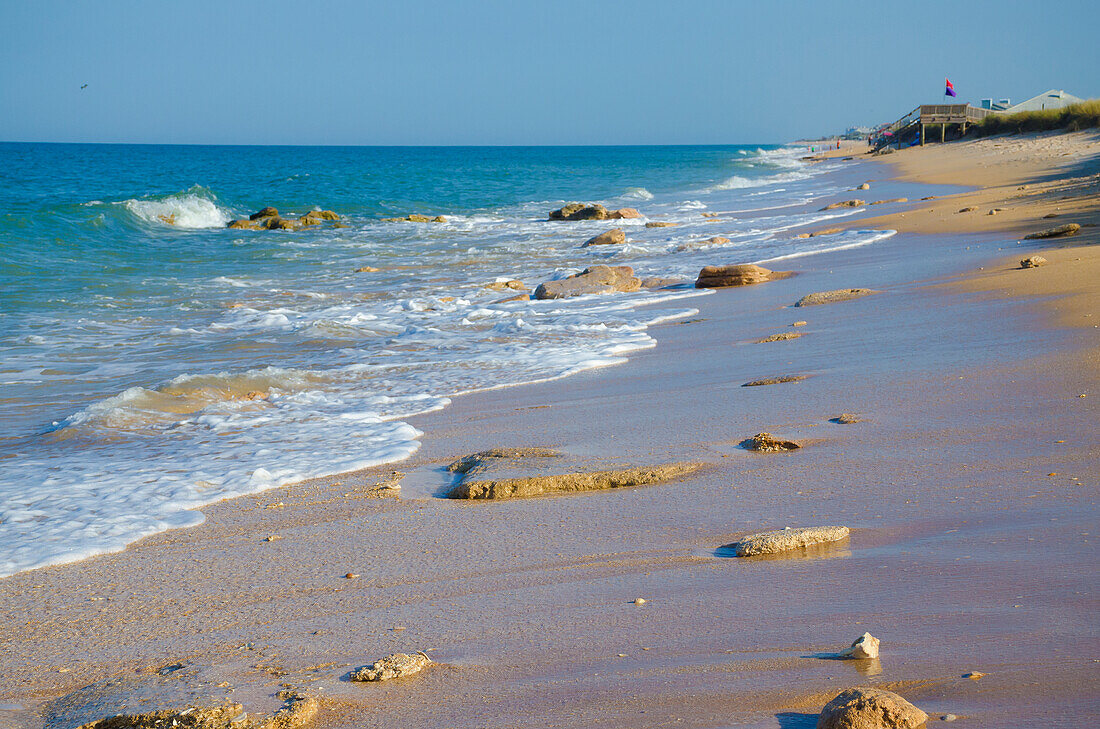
{"x":950,"y":90}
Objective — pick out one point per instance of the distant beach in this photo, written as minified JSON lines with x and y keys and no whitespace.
{"x":245,"y":457}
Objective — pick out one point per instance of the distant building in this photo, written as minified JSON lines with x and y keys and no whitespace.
{"x":1052,"y":99}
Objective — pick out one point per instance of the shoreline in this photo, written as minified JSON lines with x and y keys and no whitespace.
{"x":477,"y":557}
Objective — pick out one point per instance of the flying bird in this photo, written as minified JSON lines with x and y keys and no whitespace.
{"x":84,"y":87}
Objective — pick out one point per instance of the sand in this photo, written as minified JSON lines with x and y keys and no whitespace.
{"x":969,"y":488}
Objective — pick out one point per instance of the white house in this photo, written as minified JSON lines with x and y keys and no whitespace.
{"x":1053,"y":99}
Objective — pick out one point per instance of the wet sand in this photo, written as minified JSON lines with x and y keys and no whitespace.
{"x":969,"y":486}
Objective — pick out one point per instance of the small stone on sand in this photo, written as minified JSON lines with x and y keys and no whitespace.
{"x":392,"y":666}
{"x":783,"y":540}
{"x":948,"y":717}
{"x":781,"y":337}
{"x":846,"y":419}
{"x":830,"y":297}
{"x":969,"y":209}
{"x":351,"y":576}
{"x":974,"y":675}
{"x":775,"y":380}
{"x":639,"y":601}
{"x":768,"y":443}
{"x":863,"y":647}
{"x":1033,"y":262}
{"x":800,"y":324}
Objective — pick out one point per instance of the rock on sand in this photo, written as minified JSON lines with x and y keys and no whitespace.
{"x":394,"y":665}
{"x":784,"y":540}
{"x":870,"y":708}
{"x":863,"y":647}
{"x":768,"y":443}
{"x":569,"y":482}
{"x":778,"y":380}
{"x":830,"y":297}
{"x":781,"y":337}
{"x":1061,"y":231}
{"x":1033,"y":262}
{"x":845,"y":204}
{"x":743,"y":274}
{"x":466,"y":464}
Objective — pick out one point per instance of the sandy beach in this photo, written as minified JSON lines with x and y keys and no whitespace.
{"x":968,"y":481}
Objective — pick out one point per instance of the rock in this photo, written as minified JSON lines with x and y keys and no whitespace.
{"x":800,"y":324}
{"x":870,"y":708}
{"x":781,"y":337}
{"x":319,"y":215}
{"x":657,"y":282}
{"x":1033,"y":262}
{"x":784,"y":540}
{"x":417,"y":218}
{"x":593,"y":280}
{"x":930,"y":197}
{"x":283,"y":224}
{"x":891,"y":200}
{"x":351,"y":576}
{"x":743,"y":274}
{"x":624,"y":214}
{"x":339,"y":225}
{"x":268,"y":212}
{"x":517,"y":297}
{"x":245,"y":225}
{"x":394,"y":665}
{"x":1060,"y":232}
{"x":768,"y":443}
{"x":827,"y":231}
{"x":696,"y":245}
{"x":570,"y":482}
{"x":615,"y":236}
{"x":803,"y":235}
{"x":306,"y":220}
{"x":864,"y":186}
{"x":514,"y":284}
{"x":846,"y":419}
{"x":845,"y":204}
{"x":579,"y":211}
{"x":367,"y":269}
{"x":710,"y":215}
{"x":1048,"y":216}
{"x":863,"y":647}
{"x":167,"y":219}
{"x":639,"y":601}
{"x":466,"y":464}
{"x":974,"y":675}
{"x":968,"y":209}
{"x":948,"y":717}
{"x":660,"y":224}
{"x":884,"y":150}
{"x":776,"y":380}
{"x":994,"y":211}
{"x":831,"y":297}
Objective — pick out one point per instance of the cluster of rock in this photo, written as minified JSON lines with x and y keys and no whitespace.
{"x":594,"y":211}
{"x":392,"y":666}
{"x":269,"y":219}
{"x":592,"y":280}
{"x":785,"y":540}
{"x":742,"y":274}
{"x":416,"y":218}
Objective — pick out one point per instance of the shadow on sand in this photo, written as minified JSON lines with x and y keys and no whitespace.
{"x":795,"y":720}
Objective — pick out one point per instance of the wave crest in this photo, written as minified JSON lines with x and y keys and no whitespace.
{"x":192,"y":209}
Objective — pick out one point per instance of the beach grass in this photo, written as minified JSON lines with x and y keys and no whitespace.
{"x":1085,"y":115}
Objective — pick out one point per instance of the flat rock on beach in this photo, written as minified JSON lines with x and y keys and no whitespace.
{"x":522,"y":487}
{"x":777,"y":380}
{"x":831,"y":297}
{"x":392,"y":666}
{"x":784,"y":540}
{"x":744,"y":274}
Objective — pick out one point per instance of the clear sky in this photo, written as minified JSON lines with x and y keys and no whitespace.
{"x":518,"y":72}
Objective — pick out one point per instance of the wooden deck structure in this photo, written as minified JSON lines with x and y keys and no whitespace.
{"x":926,"y":115}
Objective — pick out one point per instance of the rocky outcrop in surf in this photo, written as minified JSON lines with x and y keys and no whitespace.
{"x":592,"y":211}
{"x":592,"y":280}
{"x":742,"y":274}
{"x":269,"y":219}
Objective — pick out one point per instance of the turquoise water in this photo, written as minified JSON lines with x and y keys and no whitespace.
{"x":154,"y":361}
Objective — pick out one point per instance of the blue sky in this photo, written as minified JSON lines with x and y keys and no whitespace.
{"x":495,"y":72}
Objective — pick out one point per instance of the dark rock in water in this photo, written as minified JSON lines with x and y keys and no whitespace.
{"x":320,"y":215}
{"x":830,"y":297}
{"x":580,"y":211}
{"x":870,"y":708}
{"x":246,"y":225}
{"x":1061,"y":231}
{"x":593,"y":280}
{"x":615,"y":236}
{"x":776,"y":380}
{"x":268,"y":212}
{"x":744,"y":274}
{"x":768,"y":443}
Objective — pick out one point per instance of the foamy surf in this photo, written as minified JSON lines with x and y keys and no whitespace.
{"x":191,"y":210}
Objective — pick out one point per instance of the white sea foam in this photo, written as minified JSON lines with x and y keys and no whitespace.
{"x":636,"y":193}
{"x":184,"y":210}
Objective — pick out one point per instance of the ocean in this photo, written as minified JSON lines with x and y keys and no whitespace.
{"x":153,"y":361}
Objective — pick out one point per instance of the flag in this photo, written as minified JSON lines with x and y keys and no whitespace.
{"x":950,"y":90}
